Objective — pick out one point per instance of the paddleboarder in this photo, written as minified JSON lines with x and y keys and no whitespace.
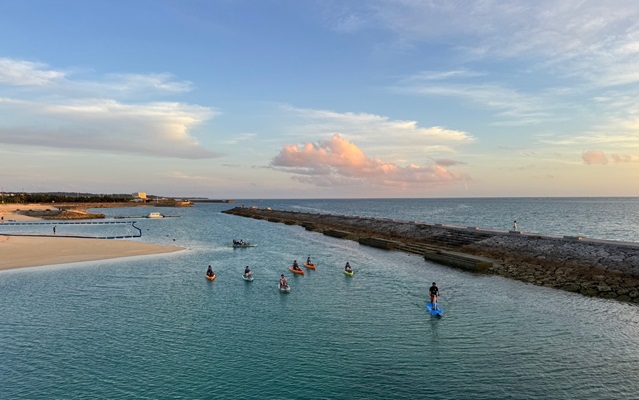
{"x":434,"y":295}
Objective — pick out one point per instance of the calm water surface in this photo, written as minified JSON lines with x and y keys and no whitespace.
{"x":154,"y":328}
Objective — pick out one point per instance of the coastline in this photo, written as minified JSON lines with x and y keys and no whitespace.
{"x":22,"y":251}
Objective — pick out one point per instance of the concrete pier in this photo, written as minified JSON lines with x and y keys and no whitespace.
{"x":592,"y":267}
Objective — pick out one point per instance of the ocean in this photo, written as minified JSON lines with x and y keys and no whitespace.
{"x":154,"y":328}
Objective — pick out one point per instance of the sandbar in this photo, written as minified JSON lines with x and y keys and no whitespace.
{"x":21,"y":251}
{"x":8,"y":212}
{"x":24,"y":251}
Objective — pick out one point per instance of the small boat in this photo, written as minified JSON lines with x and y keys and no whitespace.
{"x":284,"y":289}
{"x":155,"y":215}
{"x":349,"y":273}
{"x":434,"y":310}
{"x":242,"y":246}
{"x":296,"y":271}
{"x":211,"y":278}
{"x":310,"y":266}
{"x":248,"y":278}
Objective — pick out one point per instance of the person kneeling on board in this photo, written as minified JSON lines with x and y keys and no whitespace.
{"x":209,"y":271}
{"x":347,"y":267}
{"x":248,"y":272}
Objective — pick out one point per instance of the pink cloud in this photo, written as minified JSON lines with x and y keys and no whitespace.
{"x":340,"y":162}
{"x":594,"y":157}
{"x":622,"y":158}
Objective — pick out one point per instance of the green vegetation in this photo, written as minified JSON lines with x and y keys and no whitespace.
{"x":60,"y":197}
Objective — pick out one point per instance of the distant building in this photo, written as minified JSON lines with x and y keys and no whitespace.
{"x":139,"y":195}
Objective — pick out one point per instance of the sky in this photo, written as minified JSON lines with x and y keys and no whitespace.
{"x":238,"y":99}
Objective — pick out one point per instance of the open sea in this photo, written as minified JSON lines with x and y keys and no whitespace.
{"x":153,"y":327}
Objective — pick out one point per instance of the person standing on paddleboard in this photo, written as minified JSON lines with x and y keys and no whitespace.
{"x":434,"y":295}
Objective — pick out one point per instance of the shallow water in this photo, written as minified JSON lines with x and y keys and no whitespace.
{"x":153,"y":327}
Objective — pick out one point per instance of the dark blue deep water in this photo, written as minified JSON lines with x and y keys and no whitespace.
{"x":153,"y":328}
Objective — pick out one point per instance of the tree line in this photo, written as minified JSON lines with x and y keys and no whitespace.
{"x":23,"y":198}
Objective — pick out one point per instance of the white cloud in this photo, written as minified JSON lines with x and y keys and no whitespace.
{"x":511,"y":105}
{"x":26,"y":73}
{"x":60,"y":112}
{"x":597,"y":41}
{"x":375,"y":128}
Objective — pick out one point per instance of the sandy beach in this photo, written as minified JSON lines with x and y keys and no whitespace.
{"x":9,"y":211}
{"x":17,"y":251}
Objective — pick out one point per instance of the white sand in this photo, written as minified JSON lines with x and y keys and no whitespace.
{"x":8,"y":211}
{"x":21,"y":251}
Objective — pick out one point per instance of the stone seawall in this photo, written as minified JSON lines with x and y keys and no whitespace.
{"x":591,"y":267}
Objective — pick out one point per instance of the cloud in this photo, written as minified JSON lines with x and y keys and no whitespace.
{"x":596,"y":41}
{"x":448,"y":163}
{"x":26,"y":73}
{"x":594,"y":157}
{"x":622,"y":158}
{"x":374,"y":128}
{"x":60,"y":112}
{"x":338,"y":162}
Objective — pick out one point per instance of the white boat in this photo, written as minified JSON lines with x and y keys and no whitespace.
{"x":155,"y":215}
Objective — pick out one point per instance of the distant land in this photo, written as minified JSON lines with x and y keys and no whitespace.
{"x":77,"y":197}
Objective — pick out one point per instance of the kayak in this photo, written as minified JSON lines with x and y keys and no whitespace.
{"x":284,"y":289}
{"x":436,"y":311}
{"x":211,"y":278}
{"x":296,"y":271}
{"x":241,"y":246}
{"x":248,"y":279}
{"x":310,"y":266}
{"x":349,"y":273}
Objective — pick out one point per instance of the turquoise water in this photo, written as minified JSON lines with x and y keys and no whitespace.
{"x":154,"y":328}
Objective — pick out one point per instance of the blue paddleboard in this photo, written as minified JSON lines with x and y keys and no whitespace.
{"x":437,"y":311}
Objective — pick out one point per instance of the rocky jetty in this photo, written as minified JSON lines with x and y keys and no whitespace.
{"x":601,"y":268}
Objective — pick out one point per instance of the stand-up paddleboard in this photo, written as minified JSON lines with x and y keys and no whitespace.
{"x":349,"y":273}
{"x":436,"y":311}
{"x":284,"y":289}
{"x":211,"y":278}
{"x":248,"y":279}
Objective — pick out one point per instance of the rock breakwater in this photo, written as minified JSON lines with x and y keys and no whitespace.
{"x":591,"y":267}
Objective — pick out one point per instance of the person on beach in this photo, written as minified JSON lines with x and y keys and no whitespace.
{"x":515,"y":226}
{"x":248,"y":272}
{"x":347,"y":267}
{"x":434,"y":294}
{"x":209,"y":271}
{"x":283,"y":282}
{"x":295,"y":265}
{"x":54,"y":230}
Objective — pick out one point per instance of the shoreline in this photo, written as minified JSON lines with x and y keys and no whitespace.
{"x":27,"y":251}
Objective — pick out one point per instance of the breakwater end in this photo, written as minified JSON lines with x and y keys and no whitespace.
{"x":601,"y":268}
